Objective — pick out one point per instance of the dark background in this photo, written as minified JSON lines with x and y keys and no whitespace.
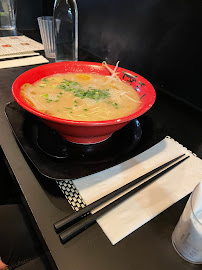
{"x":158,"y":39}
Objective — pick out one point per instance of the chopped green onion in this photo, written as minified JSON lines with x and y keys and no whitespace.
{"x":42,"y":84}
{"x":115,"y":105}
{"x":91,"y":93}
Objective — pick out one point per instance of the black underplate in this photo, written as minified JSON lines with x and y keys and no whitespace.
{"x":59,"y":159}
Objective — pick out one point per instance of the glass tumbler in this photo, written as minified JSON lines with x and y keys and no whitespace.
{"x":7,"y":15}
{"x":47,"y":35}
{"x":187,"y":235}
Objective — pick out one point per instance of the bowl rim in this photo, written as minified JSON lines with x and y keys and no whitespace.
{"x":24,"y":104}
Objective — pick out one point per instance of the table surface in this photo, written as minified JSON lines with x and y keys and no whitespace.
{"x":150,"y":246}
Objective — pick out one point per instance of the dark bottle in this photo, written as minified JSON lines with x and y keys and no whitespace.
{"x":65,"y":14}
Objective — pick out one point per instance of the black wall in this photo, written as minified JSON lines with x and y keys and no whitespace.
{"x":27,"y":12}
{"x":159,"y":39}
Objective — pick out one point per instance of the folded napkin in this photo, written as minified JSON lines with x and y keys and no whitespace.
{"x":34,"y":60}
{"x":20,"y":54}
{"x":149,"y":202}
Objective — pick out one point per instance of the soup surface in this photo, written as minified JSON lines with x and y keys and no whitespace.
{"x":82,"y":97}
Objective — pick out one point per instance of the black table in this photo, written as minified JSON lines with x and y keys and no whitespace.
{"x":150,"y":246}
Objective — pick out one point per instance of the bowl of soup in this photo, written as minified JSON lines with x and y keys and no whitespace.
{"x":85,"y":102}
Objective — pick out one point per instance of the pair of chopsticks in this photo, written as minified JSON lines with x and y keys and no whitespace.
{"x":74,"y":224}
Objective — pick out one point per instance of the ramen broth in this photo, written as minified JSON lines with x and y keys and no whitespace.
{"x":82,"y":97}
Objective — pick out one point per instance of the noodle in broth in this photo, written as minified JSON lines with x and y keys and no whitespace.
{"x":82,"y":97}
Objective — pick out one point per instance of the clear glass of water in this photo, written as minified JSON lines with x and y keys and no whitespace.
{"x":7,"y":15}
{"x":47,"y":35}
{"x":187,"y":235}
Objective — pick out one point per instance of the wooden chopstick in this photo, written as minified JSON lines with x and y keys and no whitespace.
{"x":68,"y":221}
{"x":90,"y":219}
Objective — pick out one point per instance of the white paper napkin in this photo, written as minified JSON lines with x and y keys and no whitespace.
{"x":148,"y":203}
{"x":15,"y":55}
{"x":23,"y":62}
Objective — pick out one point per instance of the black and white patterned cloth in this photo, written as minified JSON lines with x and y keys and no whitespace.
{"x":71,"y":194}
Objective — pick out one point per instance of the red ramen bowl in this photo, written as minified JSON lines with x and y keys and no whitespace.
{"x":85,"y":132}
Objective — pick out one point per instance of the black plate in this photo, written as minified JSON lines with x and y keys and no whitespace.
{"x":59,"y":159}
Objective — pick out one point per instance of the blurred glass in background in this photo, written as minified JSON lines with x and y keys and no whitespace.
{"x":7,"y":15}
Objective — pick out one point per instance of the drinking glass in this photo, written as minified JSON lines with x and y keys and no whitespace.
{"x":187,"y":235}
{"x":7,"y":16}
{"x":47,"y":35}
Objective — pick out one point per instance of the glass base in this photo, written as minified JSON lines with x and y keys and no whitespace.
{"x":7,"y":28}
{"x":65,"y":60}
{"x":181,"y":255}
{"x":50,"y":55}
